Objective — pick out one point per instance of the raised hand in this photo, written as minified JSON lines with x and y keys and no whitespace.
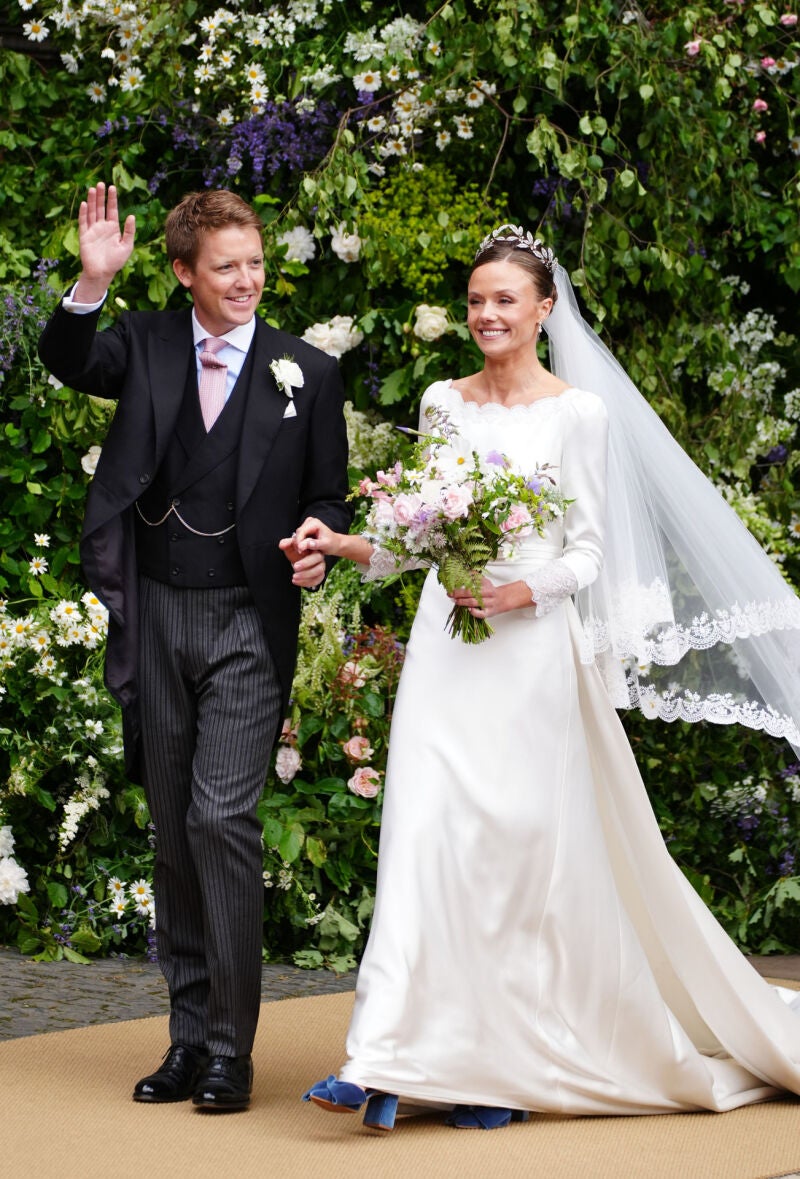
{"x":104,"y":247}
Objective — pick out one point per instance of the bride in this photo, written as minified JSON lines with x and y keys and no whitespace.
{"x":533,"y":946}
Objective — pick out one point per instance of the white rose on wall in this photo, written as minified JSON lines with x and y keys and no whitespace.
{"x":346,"y":246}
{"x":335,"y":337}
{"x":430,"y":322}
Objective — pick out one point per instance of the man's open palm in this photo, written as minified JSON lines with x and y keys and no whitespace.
{"x":104,"y":247}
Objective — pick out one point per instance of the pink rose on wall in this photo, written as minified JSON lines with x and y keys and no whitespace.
{"x":365,"y":782}
{"x":759,"y":105}
{"x":693,"y":47}
{"x":789,"y":20}
{"x":358,"y":749}
{"x":287,"y":762}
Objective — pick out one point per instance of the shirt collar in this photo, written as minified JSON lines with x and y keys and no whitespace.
{"x":240,"y":337}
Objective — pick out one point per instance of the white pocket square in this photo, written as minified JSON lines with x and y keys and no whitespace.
{"x":290,"y":411}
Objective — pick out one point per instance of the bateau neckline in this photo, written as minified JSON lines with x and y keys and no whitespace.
{"x":499,"y":404}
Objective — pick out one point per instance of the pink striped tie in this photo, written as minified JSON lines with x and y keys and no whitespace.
{"x":213,"y":381}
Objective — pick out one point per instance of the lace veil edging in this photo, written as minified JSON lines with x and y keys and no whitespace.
{"x":684,"y":585}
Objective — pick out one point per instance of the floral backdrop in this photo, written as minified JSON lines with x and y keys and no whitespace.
{"x":654,"y":146}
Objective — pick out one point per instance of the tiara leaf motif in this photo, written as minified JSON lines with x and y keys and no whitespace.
{"x":522,"y":239}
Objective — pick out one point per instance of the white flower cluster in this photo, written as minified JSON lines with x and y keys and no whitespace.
{"x":140,"y":893}
{"x":13,"y":877}
{"x":336,"y":336}
{"x":68,"y":626}
{"x":90,"y":793}
{"x":372,"y":444}
{"x":747,"y":798}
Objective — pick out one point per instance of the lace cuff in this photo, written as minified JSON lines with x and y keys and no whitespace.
{"x":383,"y":564}
{"x":550,"y":585}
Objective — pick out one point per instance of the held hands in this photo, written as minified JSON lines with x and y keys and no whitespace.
{"x":313,"y":541}
{"x":306,"y":550}
{"x":104,"y":247}
{"x":497,"y":599}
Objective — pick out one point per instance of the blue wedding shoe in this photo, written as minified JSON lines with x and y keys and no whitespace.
{"x":484,"y":1117}
{"x":344,"y":1097}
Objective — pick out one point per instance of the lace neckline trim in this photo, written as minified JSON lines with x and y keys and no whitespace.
{"x":482,"y":406}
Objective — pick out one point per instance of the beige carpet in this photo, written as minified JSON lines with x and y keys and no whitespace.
{"x":66,"y":1112}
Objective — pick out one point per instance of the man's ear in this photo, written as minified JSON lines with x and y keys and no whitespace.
{"x":183,"y":272}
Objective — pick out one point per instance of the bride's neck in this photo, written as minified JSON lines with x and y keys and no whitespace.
{"x":511,"y":380}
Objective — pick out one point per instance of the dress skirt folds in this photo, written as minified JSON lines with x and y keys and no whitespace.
{"x":533,"y":944}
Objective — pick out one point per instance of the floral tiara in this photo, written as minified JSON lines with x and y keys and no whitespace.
{"x":522,"y":239}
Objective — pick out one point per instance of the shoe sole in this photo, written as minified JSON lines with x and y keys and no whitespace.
{"x":329,"y":1105}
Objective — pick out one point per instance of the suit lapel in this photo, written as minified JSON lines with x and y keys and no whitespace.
{"x":266,"y":405}
{"x":169,"y":356}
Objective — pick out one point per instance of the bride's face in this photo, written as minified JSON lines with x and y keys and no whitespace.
{"x":504,"y":309}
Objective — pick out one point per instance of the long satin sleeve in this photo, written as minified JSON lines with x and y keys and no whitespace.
{"x":583,"y":480}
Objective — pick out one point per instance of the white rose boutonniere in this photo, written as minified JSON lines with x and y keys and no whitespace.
{"x":288,"y":375}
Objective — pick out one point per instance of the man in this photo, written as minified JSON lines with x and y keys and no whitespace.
{"x":209,"y":461}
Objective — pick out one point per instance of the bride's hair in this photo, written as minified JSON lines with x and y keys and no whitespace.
{"x":511,"y":243}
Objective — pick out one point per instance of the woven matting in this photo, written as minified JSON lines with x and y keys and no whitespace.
{"x":66,"y":1112}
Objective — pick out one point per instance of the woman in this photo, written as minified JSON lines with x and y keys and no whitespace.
{"x":533,"y":945}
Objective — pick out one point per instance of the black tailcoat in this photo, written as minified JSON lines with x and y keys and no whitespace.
{"x":288,"y":468}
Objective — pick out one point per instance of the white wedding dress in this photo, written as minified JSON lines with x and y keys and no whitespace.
{"x":533,"y":944}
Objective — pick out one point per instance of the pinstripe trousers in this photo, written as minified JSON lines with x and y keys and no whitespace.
{"x":210,"y":705}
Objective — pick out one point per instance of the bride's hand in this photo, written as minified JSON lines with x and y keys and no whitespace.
{"x":497,"y":599}
{"x":312,"y":536}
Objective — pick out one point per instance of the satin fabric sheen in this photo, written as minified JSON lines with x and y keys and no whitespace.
{"x":533,"y":944}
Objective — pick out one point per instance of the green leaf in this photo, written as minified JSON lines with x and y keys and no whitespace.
{"x":290,"y":843}
{"x":316,"y":851}
{"x":58,"y":894}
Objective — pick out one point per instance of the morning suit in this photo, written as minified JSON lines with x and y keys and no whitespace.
{"x":202,"y":619}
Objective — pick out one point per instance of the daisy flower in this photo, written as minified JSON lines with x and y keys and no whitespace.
{"x":37,"y":566}
{"x":369,"y":81}
{"x":35,"y":30}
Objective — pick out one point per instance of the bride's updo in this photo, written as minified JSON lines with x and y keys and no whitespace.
{"x":512,"y":243}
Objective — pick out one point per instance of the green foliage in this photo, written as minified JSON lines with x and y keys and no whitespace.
{"x":726,"y":802}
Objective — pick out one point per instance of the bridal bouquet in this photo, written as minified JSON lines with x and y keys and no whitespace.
{"x":455,"y":509}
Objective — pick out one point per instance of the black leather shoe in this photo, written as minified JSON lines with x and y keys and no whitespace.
{"x":176,"y":1079}
{"x":225,"y":1083}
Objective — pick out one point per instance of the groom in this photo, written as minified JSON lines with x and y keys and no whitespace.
{"x":209,"y":461}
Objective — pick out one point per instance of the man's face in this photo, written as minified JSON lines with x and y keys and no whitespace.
{"x":227,"y":278}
